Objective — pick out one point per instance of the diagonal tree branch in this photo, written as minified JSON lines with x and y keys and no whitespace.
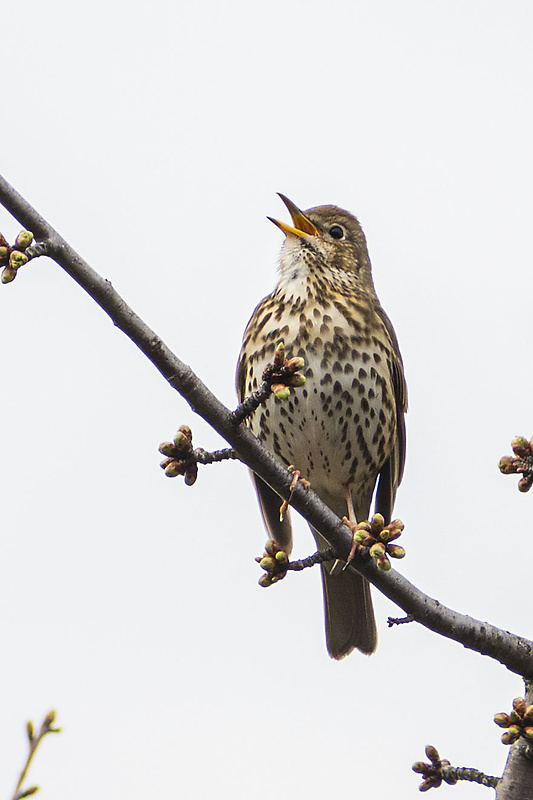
{"x":514,"y":652}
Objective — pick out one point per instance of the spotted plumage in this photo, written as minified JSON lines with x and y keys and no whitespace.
{"x":344,"y":428}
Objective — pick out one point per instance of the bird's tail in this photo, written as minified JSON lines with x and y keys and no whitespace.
{"x":349,"y":614}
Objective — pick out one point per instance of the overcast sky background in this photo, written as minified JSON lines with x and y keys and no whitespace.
{"x":154,"y":137}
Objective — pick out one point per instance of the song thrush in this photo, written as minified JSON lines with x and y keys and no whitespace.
{"x":344,"y":428}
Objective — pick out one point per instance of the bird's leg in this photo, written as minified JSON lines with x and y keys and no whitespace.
{"x":296,"y":476}
{"x":351,"y":522}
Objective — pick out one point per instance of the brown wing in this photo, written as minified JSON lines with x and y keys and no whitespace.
{"x":392,"y":471}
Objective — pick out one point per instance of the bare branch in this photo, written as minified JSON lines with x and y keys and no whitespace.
{"x":34,"y":742}
{"x":252,"y":402}
{"x":514,"y":652}
{"x":439,"y":770}
{"x":454,"y":774}
{"x":203,"y":457}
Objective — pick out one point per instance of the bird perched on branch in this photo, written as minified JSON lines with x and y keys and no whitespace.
{"x":344,"y":429}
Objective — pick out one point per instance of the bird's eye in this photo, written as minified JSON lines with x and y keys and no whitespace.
{"x":336,"y":232}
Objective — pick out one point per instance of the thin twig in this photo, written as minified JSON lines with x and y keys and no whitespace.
{"x":37,"y":250}
{"x":34,"y":742}
{"x":203,"y":457}
{"x":310,"y":561}
{"x":452,"y":774}
{"x":391,"y":621}
{"x":252,"y":403}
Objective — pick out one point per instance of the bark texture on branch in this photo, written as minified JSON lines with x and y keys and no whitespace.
{"x":514,"y":652}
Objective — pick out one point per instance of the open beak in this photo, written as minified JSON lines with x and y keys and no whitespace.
{"x":302,"y":225}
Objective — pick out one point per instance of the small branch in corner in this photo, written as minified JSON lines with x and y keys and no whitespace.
{"x":392,"y":621}
{"x":34,"y":740}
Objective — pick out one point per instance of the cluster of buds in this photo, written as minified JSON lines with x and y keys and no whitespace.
{"x":180,"y":456}
{"x":434,"y":772}
{"x":283,"y":373}
{"x":378,"y":537}
{"x":12,"y":258}
{"x":518,"y":723}
{"x":522,"y":462}
{"x":274,"y":561}
{"x":46,"y":727}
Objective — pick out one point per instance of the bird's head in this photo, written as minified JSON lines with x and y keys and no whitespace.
{"x":324,"y":238}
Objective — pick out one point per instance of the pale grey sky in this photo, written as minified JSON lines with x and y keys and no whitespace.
{"x":154,"y":137}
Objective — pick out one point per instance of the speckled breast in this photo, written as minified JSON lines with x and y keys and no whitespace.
{"x":339,"y":428}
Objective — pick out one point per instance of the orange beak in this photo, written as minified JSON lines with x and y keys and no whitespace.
{"x":302,"y":224}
